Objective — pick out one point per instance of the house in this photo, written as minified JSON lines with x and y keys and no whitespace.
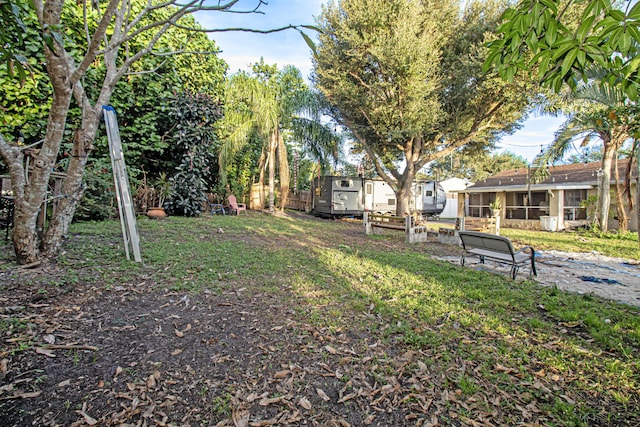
{"x":556,"y":203}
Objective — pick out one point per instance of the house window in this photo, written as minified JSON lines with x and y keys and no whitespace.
{"x":369,"y":188}
{"x":527,"y":205}
{"x":479,"y":204}
{"x":572,"y":209}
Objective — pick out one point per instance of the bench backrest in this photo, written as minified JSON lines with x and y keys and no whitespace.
{"x":475,"y":239}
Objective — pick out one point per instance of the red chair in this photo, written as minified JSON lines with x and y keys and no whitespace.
{"x":234,"y":206}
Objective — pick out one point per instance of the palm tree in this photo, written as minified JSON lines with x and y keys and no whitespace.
{"x":266,"y":104}
{"x":601,"y":116}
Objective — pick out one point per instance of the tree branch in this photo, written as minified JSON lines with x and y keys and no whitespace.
{"x":239,"y":29}
{"x":98,"y":35}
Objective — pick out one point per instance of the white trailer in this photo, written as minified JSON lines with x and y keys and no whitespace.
{"x":352,"y":196}
{"x":427,"y":198}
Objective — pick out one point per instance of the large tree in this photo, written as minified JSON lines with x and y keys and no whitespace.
{"x":109,"y":28}
{"x":405,"y":77}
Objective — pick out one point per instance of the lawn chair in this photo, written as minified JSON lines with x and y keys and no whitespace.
{"x":214,"y":206}
{"x":234,"y":206}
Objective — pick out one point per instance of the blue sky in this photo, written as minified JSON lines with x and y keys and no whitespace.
{"x":240,"y":49}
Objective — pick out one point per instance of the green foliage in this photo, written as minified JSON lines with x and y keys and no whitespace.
{"x":189,"y":186}
{"x":243,"y":169}
{"x":195,"y":143}
{"x":142,"y":98}
{"x":474,"y":165}
{"x":25,"y":102}
{"x":145,"y":100}
{"x":12,"y":15}
{"x":99,"y":200}
{"x":539,"y":37}
{"x":271,"y":105}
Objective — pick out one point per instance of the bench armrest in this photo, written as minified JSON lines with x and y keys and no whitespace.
{"x":529,"y":248}
{"x":533,"y":258}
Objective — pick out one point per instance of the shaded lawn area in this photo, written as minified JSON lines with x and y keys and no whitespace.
{"x":259,"y":320}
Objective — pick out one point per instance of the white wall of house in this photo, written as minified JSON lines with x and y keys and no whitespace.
{"x":450,"y":187}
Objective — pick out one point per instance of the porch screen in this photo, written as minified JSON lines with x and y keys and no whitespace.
{"x":572,"y":209}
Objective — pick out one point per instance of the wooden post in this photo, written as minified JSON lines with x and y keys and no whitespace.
{"x":367,"y":224}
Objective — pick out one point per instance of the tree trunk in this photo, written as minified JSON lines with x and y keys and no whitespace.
{"x":273,"y":144}
{"x":73,"y":187}
{"x":604,"y":188}
{"x":30,"y":193}
{"x":403,"y":198}
{"x":620,"y":208}
{"x":262,"y":164}
{"x":283,"y":163}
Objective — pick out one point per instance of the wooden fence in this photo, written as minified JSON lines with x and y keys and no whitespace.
{"x":300,"y":201}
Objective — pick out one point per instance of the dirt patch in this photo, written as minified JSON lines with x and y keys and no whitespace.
{"x":136,"y":356}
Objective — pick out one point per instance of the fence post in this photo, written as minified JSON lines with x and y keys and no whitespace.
{"x":367,"y":224}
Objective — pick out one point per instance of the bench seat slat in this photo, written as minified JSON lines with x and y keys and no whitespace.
{"x":385,"y":225}
{"x":518,"y":258}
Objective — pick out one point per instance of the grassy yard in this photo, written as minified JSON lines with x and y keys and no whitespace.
{"x":609,"y":244}
{"x":446,"y":344}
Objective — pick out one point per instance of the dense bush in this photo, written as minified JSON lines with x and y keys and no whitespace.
{"x":196,"y":144}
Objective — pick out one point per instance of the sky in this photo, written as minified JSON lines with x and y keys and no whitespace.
{"x":241,"y":49}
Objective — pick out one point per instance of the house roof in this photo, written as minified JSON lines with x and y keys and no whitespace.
{"x":574,"y":176}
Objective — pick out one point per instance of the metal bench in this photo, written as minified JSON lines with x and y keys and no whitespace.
{"x":496,"y":248}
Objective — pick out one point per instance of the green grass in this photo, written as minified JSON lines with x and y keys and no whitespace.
{"x":609,"y":244}
{"x":485,"y":335}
